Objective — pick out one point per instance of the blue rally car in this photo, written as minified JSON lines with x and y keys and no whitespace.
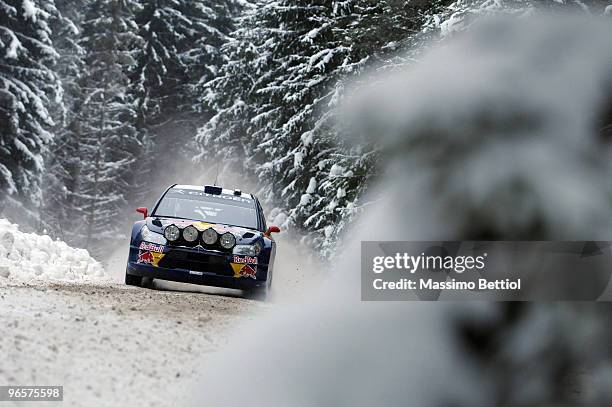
{"x":204,"y":235}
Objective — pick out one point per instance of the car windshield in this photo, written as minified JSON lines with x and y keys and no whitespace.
{"x":197,"y":205}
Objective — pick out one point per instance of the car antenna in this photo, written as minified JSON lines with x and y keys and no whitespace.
{"x":216,"y":176}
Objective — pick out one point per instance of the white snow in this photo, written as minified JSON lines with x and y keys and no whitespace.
{"x":29,"y":10}
{"x":307,"y":138}
{"x":336,"y":97}
{"x":28,"y":256}
{"x":454,"y":23}
{"x":312,"y":186}
{"x":280,"y":219}
{"x":329,"y":230}
{"x":11,"y":52}
{"x":305,"y":199}
{"x":297,"y":159}
{"x":336,"y":170}
{"x":322,"y":58}
{"x":312,"y":34}
{"x":7,"y":177}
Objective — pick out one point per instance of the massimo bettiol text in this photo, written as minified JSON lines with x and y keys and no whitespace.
{"x":496,"y":271}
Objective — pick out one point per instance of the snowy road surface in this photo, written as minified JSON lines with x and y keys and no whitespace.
{"x":109,"y":344}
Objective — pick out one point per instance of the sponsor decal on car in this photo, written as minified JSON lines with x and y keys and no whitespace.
{"x":248,"y":271}
{"x":152,"y":247}
{"x":148,"y":257}
{"x":145,"y":257}
{"x":220,"y":229}
{"x":201,"y":226}
{"x":245,"y":260}
{"x":222,"y":197}
{"x":244,"y":270}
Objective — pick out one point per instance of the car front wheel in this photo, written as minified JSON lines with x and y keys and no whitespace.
{"x":133,"y":280}
{"x":259,"y":294}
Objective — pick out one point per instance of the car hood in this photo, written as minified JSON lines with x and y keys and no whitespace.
{"x":243,"y":235}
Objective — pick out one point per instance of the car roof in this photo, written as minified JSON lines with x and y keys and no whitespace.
{"x":200,"y":188}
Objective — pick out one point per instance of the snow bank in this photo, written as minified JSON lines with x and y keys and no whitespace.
{"x":28,"y":256}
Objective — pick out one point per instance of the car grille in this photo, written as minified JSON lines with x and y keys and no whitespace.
{"x":183,"y":244}
{"x":196,"y":262}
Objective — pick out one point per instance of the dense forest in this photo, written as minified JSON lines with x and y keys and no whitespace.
{"x":104,"y":102}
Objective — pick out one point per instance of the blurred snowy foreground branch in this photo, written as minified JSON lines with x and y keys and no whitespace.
{"x":497,"y":134}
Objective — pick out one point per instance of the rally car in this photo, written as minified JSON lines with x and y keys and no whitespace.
{"x":204,"y":235}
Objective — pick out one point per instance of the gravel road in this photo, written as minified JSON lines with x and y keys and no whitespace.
{"x":109,"y":344}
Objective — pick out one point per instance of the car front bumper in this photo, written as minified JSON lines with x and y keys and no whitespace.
{"x":198,"y":266}
{"x":193,"y":277}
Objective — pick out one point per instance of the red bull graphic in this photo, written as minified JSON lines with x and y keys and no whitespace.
{"x":245,"y":260}
{"x":244,"y":270}
{"x":151,"y":247}
{"x":149,"y":257}
{"x":145,"y":257}
{"x":248,"y":271}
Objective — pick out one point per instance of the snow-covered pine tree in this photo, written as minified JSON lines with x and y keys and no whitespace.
{"x":267,"y":96}
{"x":373,"y":33}
{"x":212,"y":22}
{"x":109,"y":144}
{"x":228,"y":94}
{"x":28,"y":87}
{"x":458,"y":15}
{"x":159,"y":72}
{"x":276,"y":98}
{"x":63,"y":162}
{"x":182,"y":48}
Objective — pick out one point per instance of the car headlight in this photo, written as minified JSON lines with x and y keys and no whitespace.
{"x":172,"y":233}
{"x":210,"y":236}
{"x":190,"y":234}
{"x":248,"y":249}
{"x":151,"y":237}
{"x":227,"y":240}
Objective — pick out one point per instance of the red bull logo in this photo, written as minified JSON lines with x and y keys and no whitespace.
{"x":145,"y":258}
{"x":151,"y":247}
{"x":248,"y":271}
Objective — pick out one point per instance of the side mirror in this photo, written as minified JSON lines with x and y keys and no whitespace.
{"x":272,"y":229}
{"x":144,"y":211}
